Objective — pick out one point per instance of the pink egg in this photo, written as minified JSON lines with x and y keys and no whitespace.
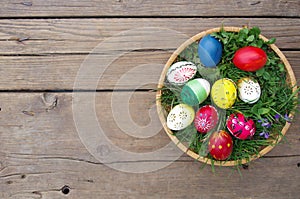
{"x":240,"y":127}
{"x":206,"y":118}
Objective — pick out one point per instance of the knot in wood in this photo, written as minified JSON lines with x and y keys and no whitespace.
{"x":50,"y":100}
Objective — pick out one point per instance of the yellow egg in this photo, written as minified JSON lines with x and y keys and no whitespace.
{"x":223,"y":93}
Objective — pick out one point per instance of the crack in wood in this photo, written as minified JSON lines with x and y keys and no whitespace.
{"x":255,"y":3}
{"x":38,"y":193}
{"x":40,"y":157}
{"x":29,"y":113}
{"x":123,"y":162}
{"x":28,"y":3}
{"x":2,"y":169}
{"x":88,"y":180}
{"x":281,"y":156}
{"x":23,"y":175}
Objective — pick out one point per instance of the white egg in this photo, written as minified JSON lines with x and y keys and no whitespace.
{"x":249,"y":90}
{"x":180,"y":117}
{"x":181,"y":72}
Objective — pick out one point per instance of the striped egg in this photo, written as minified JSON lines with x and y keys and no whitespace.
{"x":181,"y":72}
{"x":195,"y":91}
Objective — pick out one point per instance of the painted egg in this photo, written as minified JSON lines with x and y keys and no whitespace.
{"x":210,"y":51}
{"x":223,"y":93}
{"x":249,"y":90}
{"x":240,"y":127}
{"x":250,"y":58}
{"x":180,"y":117}
{"x":181,"y":72}
{"x":220,"y":145}
{"x":195,"y":91}
{"x":206,"y":118}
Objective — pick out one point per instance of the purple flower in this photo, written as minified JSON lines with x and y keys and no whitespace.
{"x":287,"y":118}
{"x":277,"y":116}
{"x":265,"y":134}
{"x":265,"y":123}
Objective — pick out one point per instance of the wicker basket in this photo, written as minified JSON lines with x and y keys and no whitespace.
{"x":162,"y":113}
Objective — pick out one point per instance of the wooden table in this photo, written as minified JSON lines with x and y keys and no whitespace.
{"x":45,"y":49}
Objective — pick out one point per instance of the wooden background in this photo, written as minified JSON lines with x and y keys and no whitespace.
{"x":42,"y":46}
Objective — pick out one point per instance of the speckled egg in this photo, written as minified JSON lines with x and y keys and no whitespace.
{"x":210,"y":51}
{"x":220,"y":145}
{"x":240,"y":127}
{"x":206,"y":119}
{"x":180,"y":117}
{"x":181,"y":72}
{"x":195,"y":91}
{"x":223,"y":93}
{"x":249,"y":90}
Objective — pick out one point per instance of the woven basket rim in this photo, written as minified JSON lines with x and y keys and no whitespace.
{"x":162,"y":115}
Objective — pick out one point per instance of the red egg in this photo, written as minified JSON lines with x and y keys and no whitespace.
{"x":206,"y":118}
{"x":220,"y":145}
{"x":250,"y":58}
{"x":240,"y":127}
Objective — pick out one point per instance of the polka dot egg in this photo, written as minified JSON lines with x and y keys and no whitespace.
{"x":220,"y":145}
{"x":240,"y":127}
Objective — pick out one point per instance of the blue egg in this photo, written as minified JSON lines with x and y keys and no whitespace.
{"x":210,"y":51}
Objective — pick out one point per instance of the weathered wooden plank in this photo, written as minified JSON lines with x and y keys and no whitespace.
{"x":38,"y":8}
{"x":42,"y":123}
{"x":179,"y":180}
{"x":39,"y":143}
{"x":58,"y":72}
{"x":52,"y":36}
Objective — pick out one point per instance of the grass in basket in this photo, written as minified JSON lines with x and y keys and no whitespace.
{"x":270,"y":113}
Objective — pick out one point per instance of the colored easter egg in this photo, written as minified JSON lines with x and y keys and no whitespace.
{"x":206,"y":118}
{"x":181,"y":72}
{"x":250,"y":58}
{"x":220,"y":145}
{"x":240,"y":127}
{"x":180,"y":117}
{"x":195,"y":91}
{"x":210,"y":51}
{"x":249,"y":90}
{"x":223,"y":93}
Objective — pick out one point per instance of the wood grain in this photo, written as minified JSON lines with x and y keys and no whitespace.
{"x":54,"y":8}
{"x":61,"y":36}
{"x":182,"y":179}
{"x":43,"y":46}
{"x":58,"y":72}
{"x":44,"y":121}
{"x":52,"y":50}
{"x":44,"y":147}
